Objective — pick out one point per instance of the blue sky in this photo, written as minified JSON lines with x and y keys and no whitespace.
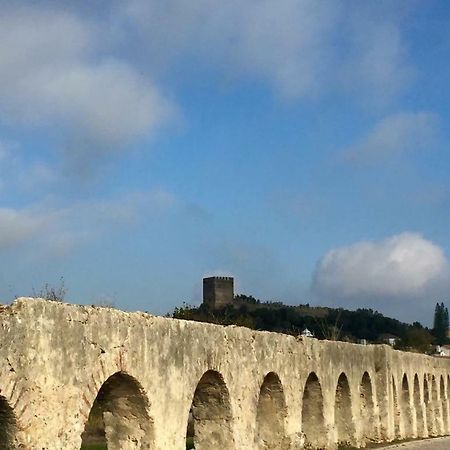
{"x":300,"y":146}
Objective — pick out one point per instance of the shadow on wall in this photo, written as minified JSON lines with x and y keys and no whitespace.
{"x":271,"y":414}
{"x":119,"y":416}
{"x":368,"y":420}
{"x":211,"y":425}
{"x":7,"y":425}
{"x":313,"y":423}
{"x":343,"y":418}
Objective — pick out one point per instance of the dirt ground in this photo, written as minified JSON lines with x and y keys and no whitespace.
{"x":427,"y":444}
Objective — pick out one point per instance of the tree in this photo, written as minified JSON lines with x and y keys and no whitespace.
{"x":418,"y":338}
{"x":440,"y":323}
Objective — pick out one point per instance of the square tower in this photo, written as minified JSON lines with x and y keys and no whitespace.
{"x":218,"y":292}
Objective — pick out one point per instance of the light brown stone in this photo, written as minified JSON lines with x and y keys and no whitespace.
{"x":247,"y":390}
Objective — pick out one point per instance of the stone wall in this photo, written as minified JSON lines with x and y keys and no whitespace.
{"x":246,"y":390}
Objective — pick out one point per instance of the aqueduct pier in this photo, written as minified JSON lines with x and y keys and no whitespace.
{"x":246,"y":390}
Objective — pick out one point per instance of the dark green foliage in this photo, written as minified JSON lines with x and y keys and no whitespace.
{"x":325,"y":323}
{"x":416,"y":337}
{"x":189,"y":443}
{"x":440,"y":323}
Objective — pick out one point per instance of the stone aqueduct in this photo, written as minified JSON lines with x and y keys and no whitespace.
{"x":246,"y":390}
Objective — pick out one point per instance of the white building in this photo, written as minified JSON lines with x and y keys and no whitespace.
{"x":443,"y":350}
{"x":307,"y":333}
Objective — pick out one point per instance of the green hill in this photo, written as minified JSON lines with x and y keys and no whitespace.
{"x":323,"y":322}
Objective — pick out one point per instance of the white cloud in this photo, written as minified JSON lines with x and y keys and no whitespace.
{"x":18,"y":226}
{"x":403,"y":267}
{"x":377,"y":63}
{"x":286,"y":44}
{"x":57,"y":229}
{"x":53,"y":72}
{"x":108,"y":101}
{"x":300,"y":47}
{"x":393,"y":136}
{"x":88,"y":78}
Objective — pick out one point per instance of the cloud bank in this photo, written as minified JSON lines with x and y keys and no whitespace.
{"x":290,"y":44}
{"x":399,"y":271}
{"x":87,"y":76}
{"x":54,"y":71}
{"x":54,"y":229}
{"x":393,"y":136}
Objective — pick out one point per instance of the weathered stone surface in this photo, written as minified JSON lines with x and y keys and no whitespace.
{"x":248,"y":390}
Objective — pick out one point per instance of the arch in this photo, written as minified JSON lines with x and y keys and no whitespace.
{"x":447,"y":403}
{"x":426,"y":391}
{"x":212,"y":418}
{"x":428,"y":406}
{"x":313,"y":423}
{"x":441,"y":406}
{"x":119,"y":417}
{"x":271,"y":414}
{"x":444,"y":405}
{"x":397,"y":412}
{"x":343,"y":418}
{"x":448,"y":387}
{"x":405,"y":408}
{"x":420,"y":423}
{"x":8,"y":425}
{"x":434,"y":389}
{"x":368,"y":425}
{"x":436,"y":406}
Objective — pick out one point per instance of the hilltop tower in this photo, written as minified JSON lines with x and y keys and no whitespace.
{"x":218,"y":292}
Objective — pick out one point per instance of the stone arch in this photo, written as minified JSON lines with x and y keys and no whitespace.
{"x":437,"y":413}
{"x":447,"y":403}
{"x":8,"y":425}
{"x":212,"y":418}
{"x":405,"y":407}
{"x":443,"y":404}
{"x":420,"y":423}
{"x":271,"y":414}
{"x":428,"y":405}
{"x":368,"y":425}
{"x":119,"y":418}
{"x":397,"y":412}
{"x":426,"y":391}
{"x":343,"y":417}
{"x":434,"y":389}
{"x":313,"y":422}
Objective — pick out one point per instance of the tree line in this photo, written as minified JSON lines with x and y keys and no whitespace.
{"x":323,"y":322}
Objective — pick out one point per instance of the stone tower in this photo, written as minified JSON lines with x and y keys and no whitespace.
{"x":218,"y":292}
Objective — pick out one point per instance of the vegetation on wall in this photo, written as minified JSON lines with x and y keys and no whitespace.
{"x":51,"y":292}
